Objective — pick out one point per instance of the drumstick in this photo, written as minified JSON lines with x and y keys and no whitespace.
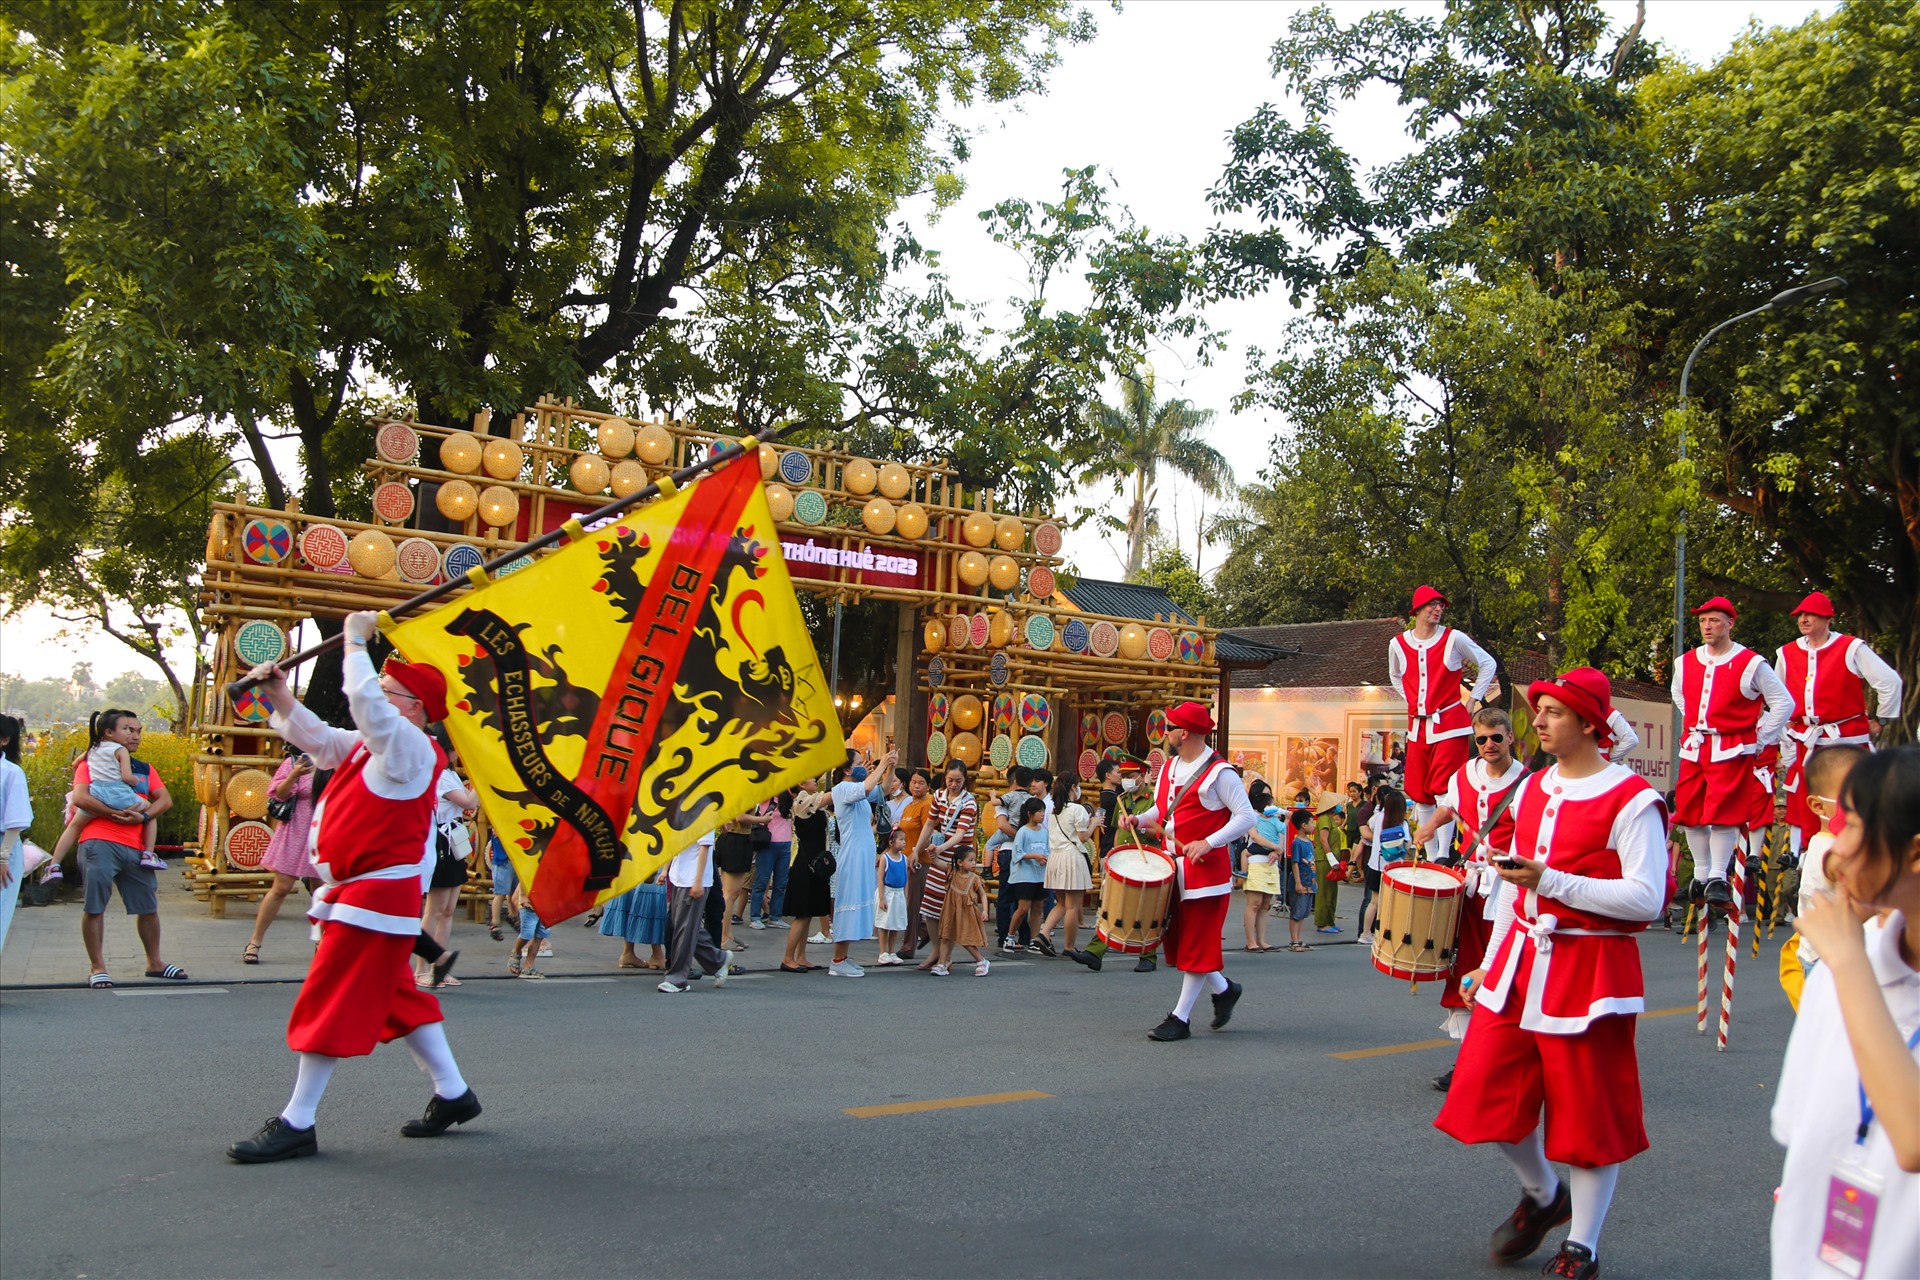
{"x":723,"y":451}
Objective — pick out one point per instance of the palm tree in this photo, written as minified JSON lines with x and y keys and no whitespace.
{"x":1146,"y":435}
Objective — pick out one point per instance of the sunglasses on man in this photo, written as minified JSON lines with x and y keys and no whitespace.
{"x":1482,"y":739}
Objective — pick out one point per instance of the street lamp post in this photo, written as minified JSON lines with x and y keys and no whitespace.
{"x":1785,"y":298}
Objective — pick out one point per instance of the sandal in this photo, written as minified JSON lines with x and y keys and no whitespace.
{"x":173,"y":973}
{"x":593,"y":918}
{"x":513,"y":968}
{"x":251,"y":955}
{"x":531,"y":972}
{"x":494,"y":930}
{"x":1301,"y":949}
{"x":99,"y":980}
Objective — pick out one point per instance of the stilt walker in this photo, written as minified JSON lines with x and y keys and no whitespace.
{"x":1827,"y":675}
{"x":1476,"y":797}
{"x":1426,"y":664}
{"x":1201,"y":806}
{"x":1732,"y":706}
{"x":368,"y":835}
{"x":1548,"y":1069}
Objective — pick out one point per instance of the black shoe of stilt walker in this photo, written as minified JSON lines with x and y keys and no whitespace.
{"x":1171,"y":1029}
{"x":277,"y":1140}
{"x":442,"y":1114}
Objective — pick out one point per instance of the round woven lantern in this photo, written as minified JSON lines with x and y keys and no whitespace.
{"x":859,"y":476}
{"x":499,"y":505}
{"x":1004,"y":573}
{"x":1009,"y":534}
{"x":896,"y":482}
{"x":324,"y":546}
{"x":503,"y":459}
{"x":370,"y":553}
{"x":247,"y":793}
{"x":652,"y":443}
{"x":457,"y":500}
{"x":973,"y":568}
{"x":629,"y":478}
{"x":460,"y":453}
{"x":247,"y":843}
{"x":1000,"y":629}
{"x":397,"y":442}
{"x":911,"y":521}
{"x":966,"y":748}
{"x":879,"y":516}
{"x":934,"y":633}
{"x":219,"y":537}
{"x":589,"y":474}
{"x":967,"y":711}
{"x":780,"y":502}
{"x":769,"y":462}
{"x":977,"y":529}
{"x":615,"y":437}
{"x":417,"y":560}
{"x":1133,"y":640}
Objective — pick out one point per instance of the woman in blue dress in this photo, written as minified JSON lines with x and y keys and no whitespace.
{"x":638,"y":918}
{"x":855,"y":881}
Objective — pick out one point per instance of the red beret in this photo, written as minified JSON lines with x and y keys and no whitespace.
{"x":1719,"y":604}
{"x":1425,"y":596}
{"x":423,"y":682}
{"x":1586,"y":692}
{"x":1817,"y":603}
{"x":1190,"y":716}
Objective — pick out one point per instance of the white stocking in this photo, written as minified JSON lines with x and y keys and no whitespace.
{"x":1191,"y":984}
{"x":1721,"y":842}
{"x":1795,"y":837}
{"x":1529,"y":1159}
{"x":315,"y":1070}
{"x":428,"y":1045}
{"x":1592,"y":1194}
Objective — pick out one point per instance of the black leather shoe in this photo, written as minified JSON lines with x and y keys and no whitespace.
{"x":1445,"y":1082}
{"x":1719,"y":893}
{"x":442,"y":967}
{"x":1091,"y":959}
{"x":277,"y":1140}
{"x":1520,"y":1235}
{"x":442,"y":1114}
{"x":1696,"y":891}
{"x":1223,"y":1004}
{"x":1146,"y":965}
{"x":1171,"y":1029}
{"x":1574,"y":1261}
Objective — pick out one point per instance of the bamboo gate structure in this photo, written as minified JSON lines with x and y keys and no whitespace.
{"x":993,"y":666}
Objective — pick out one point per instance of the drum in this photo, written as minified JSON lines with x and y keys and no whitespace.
{"x":1135,"y":899}
{"x":1419,"y":915}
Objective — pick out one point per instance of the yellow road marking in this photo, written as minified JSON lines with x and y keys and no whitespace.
{"x":1418,"y":1045}
{"x":944,"y":1104}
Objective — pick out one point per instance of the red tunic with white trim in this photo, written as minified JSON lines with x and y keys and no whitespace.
{"x":1730,"y":706}
{"x":1828,"y":686}
{"x":1472,"y":795}
{"x":1603,"y":840}
{"x":367,"y":849}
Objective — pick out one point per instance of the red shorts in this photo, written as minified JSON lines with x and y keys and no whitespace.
{"x":1192,"y":940}
{"x":1470,"y":950}
{"x":1716,"y":793}
{"x":1431,"y":766}
{"x":359,"y":994}
{"x":1588,"y":1083}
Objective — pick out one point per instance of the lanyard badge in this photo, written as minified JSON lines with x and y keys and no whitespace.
{"x":1853,"y":1199}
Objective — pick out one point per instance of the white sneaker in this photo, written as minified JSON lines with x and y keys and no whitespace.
{"x":819,"y":939}
{"x":940,"y":971}
{"x":671,"y":988}
{"x":981,"y":970}
{"x":720,"y":975}
{"x":778,"y":924}
{"x":845,"y":969}
{"x":756,"y":925}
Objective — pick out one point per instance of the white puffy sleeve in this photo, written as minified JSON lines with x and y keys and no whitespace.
{"x":1640,"y":892}
{"x":1484,"y":667}
{"x":1881,"y":678}
{"x":1624,"y":738}
{"x":1765,"y":684}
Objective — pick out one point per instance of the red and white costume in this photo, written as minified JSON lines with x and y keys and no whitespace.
{"x":1828,"y":686}
{"x":1439,"y":727}
{"x":367,"y":835}
{"x":1202,"y":800}
{"x":1731,"y":705}
{"x":1473,"y":794}
{"x":1554,"y":1024}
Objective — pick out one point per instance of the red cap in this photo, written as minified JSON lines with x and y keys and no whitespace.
{"x":1190,"y":716}
{"x":1586,"y":692}
{"x":1425,"y":596}
{"x":1719,"y":604}
{"x":1817,"y":603}
{"x":423,"y":682}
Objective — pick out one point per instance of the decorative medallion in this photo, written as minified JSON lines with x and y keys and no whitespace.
{"x":1000,"y":751}
{"x":266,"y":541}
{"x":1032,"y":752}
{"x":809,"y":506}
{"x":1113,"y":727}
{"x":1074,"y":635}
{"x":324,"y":546}
{"x":417,"y":560}
{"x":247,"y":843}
{"x":397,"y":442}
{"x":795,"y":467}
{"x":392,"y":502}
{"x":1159,"y":644}
{"x":259,"y":641}
{"x":460,"y":560}
{"x":1046,"y":539}
{"x":937,"y":672}
{"x":997,"y":670}
{"x":1104,"y":639}
{"x":1040,"y":631}
{"x":1034,"y":713}
{"x":936,"y":746}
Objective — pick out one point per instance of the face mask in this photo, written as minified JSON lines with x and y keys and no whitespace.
{"x":1074,"y":795}
{"x":859,"y":773}
{"x":1128,"y":784}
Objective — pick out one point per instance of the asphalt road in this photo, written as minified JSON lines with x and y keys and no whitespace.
{"x":630,"y":1133}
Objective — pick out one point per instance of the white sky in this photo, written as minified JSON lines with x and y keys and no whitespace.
{"x":1150,"y":101}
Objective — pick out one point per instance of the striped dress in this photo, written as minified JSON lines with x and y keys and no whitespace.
{"x":949,"y":816}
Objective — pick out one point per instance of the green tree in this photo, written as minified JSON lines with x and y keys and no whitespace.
{"x":1169,"y":569}
{"x":1144,"y":434}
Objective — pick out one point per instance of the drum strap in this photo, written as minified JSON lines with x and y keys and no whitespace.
{"x":1493,"y":818}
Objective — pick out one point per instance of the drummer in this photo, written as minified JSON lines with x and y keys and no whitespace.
{"x":1115,"y":800}
{"x":1200,"y":806}
{"x":1548,"y":1069}
{"x":1472,"y":795}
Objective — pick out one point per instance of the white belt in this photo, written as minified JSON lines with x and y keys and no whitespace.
{"x":408,"y":871}
{"x":1483,"y":879}
{"x":1541,"y":931}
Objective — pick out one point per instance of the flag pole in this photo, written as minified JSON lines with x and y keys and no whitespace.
{"x":723,"y":451}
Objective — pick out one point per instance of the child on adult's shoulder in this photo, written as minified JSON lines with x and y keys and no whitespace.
{"x":1300,"y":877}
{"x":526,"y":948}
{"x":963,"y":918}
{"x":890,"y":908}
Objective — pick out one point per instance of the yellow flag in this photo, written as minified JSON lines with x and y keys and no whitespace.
{"x":633,"y":690}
